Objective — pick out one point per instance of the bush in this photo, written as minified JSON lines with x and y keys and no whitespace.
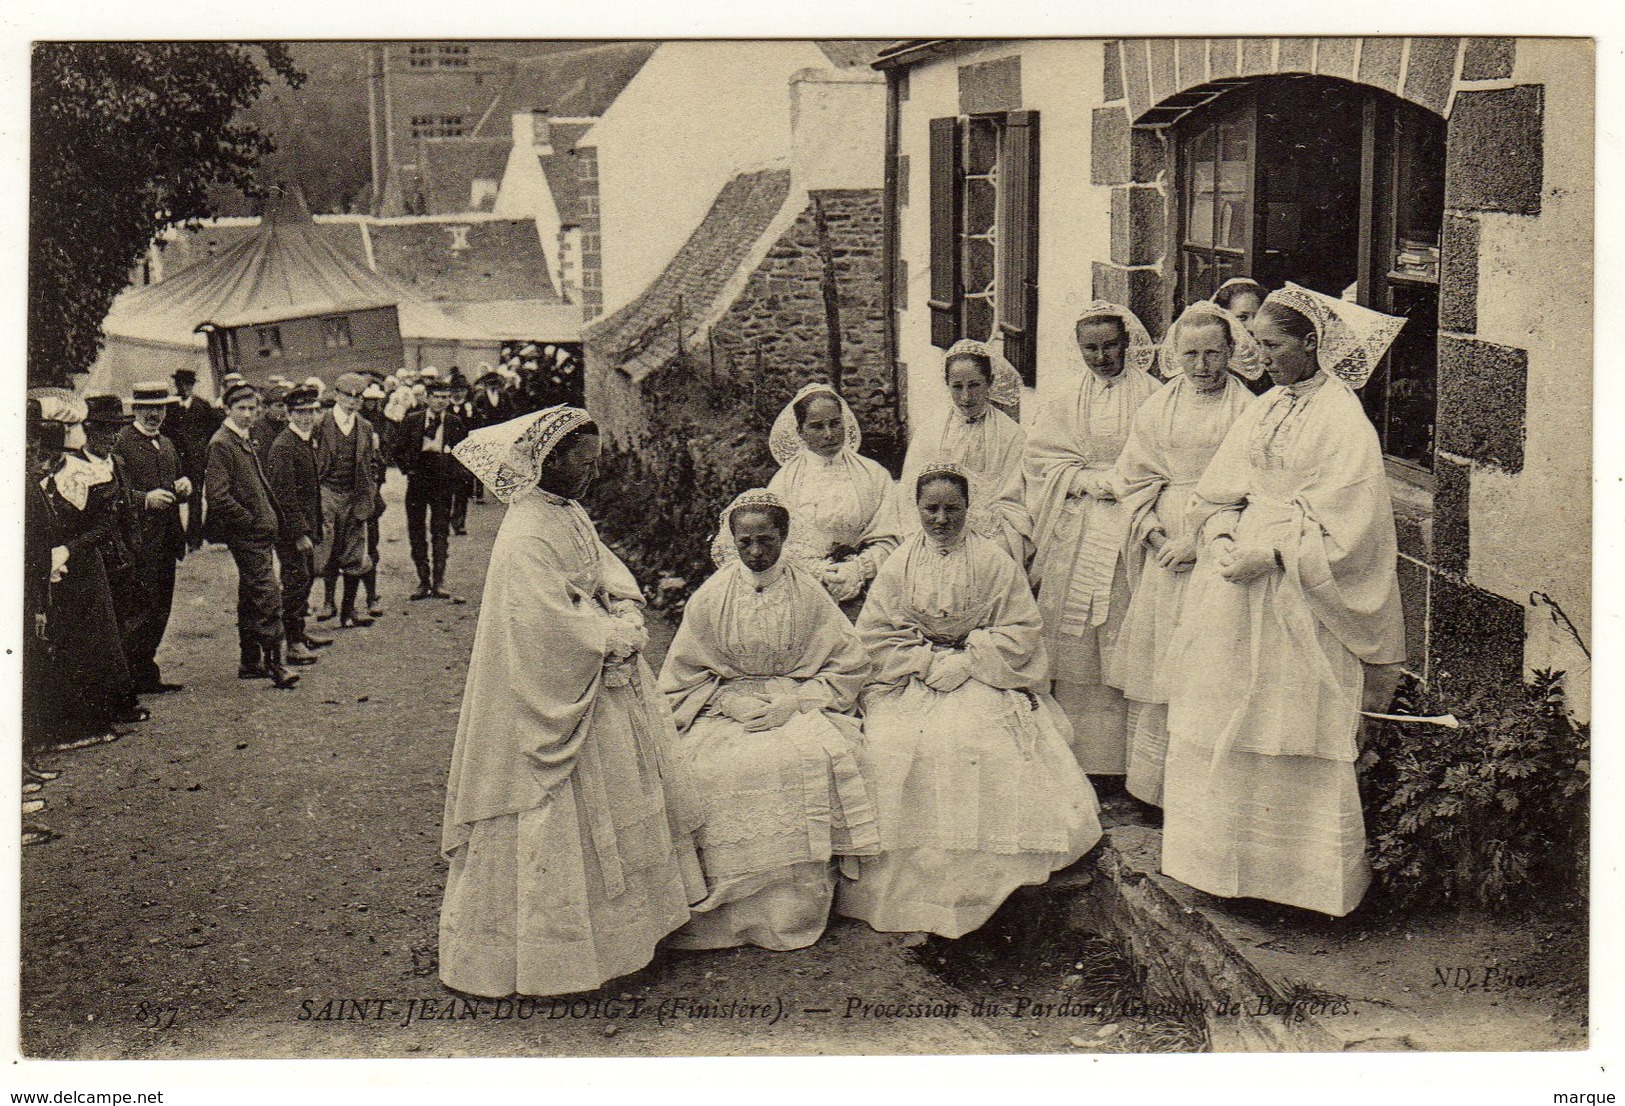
{"x":657,"y":503}
{"x":1493,"y":816}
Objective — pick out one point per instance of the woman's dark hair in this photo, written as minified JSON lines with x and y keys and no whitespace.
{"x":953,"y":478}
{"x":981,"y":360}
{"x":804,"y":404}
{"x":778,"y":517}
{"x":1289,"y":319}
{"x":570,"y":439}
{"x":1116,"y":320}
{"x":1225,"y":296}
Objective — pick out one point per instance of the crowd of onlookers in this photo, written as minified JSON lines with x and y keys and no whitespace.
{"x":287,"y":475}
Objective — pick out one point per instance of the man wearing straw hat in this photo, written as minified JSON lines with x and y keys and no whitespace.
{"x":152,"y":465}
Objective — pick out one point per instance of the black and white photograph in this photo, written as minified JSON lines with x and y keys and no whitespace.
{"x":789,"y":547}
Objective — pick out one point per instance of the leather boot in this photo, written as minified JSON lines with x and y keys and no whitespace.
{"x":347,"y":612}
{"x":328,"y":613}
{"x":425,"y":589}
{"x":280,"y":676}
{"x":299,"y":653}
{"x":370,"y":583}
{"x":438,"y":589}
{"x":312,"y":641}
{"x":252,"y":664}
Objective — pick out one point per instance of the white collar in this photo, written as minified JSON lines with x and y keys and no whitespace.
{"x":237,"y":430}
{"x":761,"y":581}
{"x":304,"y":435}
{"x":344,"y":420}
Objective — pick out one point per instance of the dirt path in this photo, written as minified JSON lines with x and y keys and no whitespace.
{"x":255,"y":873}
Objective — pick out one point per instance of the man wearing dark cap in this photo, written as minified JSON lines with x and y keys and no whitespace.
{"x":273,"y":418}
{"x":159,"y":486}
{"x":346,"y":458}
{"x":190,"y":425}
{"x":428,"y":435}
{"x":242,"y":513}
{"x":463,"y":485}
{"x":290,"y":465}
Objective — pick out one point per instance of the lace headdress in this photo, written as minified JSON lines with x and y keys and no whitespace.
{"x":1006,"y":387}
{"x":1142,"y":351}
{"x":508,"y":457}
{"x":1244,"y":359}
{"x":723,"y":549}
{"x":784,"y":441}
{"x":1352,"y":339}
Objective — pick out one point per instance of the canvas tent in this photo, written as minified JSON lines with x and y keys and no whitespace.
{"x":287,"y":263}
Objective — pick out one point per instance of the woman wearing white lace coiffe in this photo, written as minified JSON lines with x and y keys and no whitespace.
{"x":1291,"y":623}
{"x":964,"y":751}
{"x":1173,"y":437}
{"x":988,"y":443}
{"x":840,"y":503}
{"x":569,"y":838}
{"x":762,"y":676}
{"x":1080,"y":528}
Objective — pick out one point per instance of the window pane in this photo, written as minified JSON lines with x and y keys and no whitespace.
{"x":1199,"y":218}
{"x":1412,"y":370}
{"x":1201,"y":276}
{"x":981,"y":145}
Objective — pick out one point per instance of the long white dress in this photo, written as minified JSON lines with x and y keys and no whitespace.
{"x":977,"y":789}
{"x":778,"y":804}
{"x":1174,"y":435}
{"x":991,"y":450}
{"x":1261,"y":797}
{"x":1083,"y":588}
{"x":568,"y":862}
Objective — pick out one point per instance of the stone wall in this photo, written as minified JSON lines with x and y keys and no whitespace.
{"x":775,"y":336}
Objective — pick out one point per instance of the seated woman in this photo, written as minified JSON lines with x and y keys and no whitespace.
{"x":1291,"y":617}
{"x":841,"y":503}
{"x":965,"y":752}
{"x":569,"y":840}
{"x":1080,"y":528}
{"x":760,"y":676}
{"x":1173,"y":437}
{"x":985,"y":441}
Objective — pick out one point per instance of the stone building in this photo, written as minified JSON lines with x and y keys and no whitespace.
{"x":1448,"y":180}
{"x":778,"y":284}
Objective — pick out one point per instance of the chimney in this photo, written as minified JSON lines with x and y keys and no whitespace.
{"x":532,"y":131}
{"x":837,"y":129}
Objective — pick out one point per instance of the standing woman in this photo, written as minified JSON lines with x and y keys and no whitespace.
{"x":841,"y":502}
{"x":985,"y":441}
{"x":1174,"y":436}
{"x":763,"y":676}
{"x":1242,"y":297}
{"x":964,"y":750}
{"x":1291,"y":623}
{"x":568,"y":864}
{"x":1080,"y":527}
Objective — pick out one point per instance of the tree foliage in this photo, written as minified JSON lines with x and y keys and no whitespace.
{"x":127,"y":139}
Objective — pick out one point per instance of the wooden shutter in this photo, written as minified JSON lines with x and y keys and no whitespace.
{"x":1018,"y":244}
{"x":945,"y":185}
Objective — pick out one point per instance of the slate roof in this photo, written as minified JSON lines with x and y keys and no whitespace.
{"x":572,"y":83}
{"x":852,"y":53}
{"x":503,"y":259}
{"x":640,"y":337}
{"x":448,"y":168}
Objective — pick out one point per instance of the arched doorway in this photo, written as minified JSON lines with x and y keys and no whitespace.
{"x":1333,"y":185}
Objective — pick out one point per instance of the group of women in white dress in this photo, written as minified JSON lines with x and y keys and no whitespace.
{"x":889,"y":698}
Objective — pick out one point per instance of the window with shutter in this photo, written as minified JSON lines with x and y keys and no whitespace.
{"x":984,"y":233}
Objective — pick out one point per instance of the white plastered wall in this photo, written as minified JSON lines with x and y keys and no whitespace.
{"x":1061,"y":80}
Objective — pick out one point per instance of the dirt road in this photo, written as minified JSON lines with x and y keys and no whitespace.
{"x":255,"y":873}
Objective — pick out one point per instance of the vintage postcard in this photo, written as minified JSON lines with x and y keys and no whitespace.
{"x":1049,"y":547}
